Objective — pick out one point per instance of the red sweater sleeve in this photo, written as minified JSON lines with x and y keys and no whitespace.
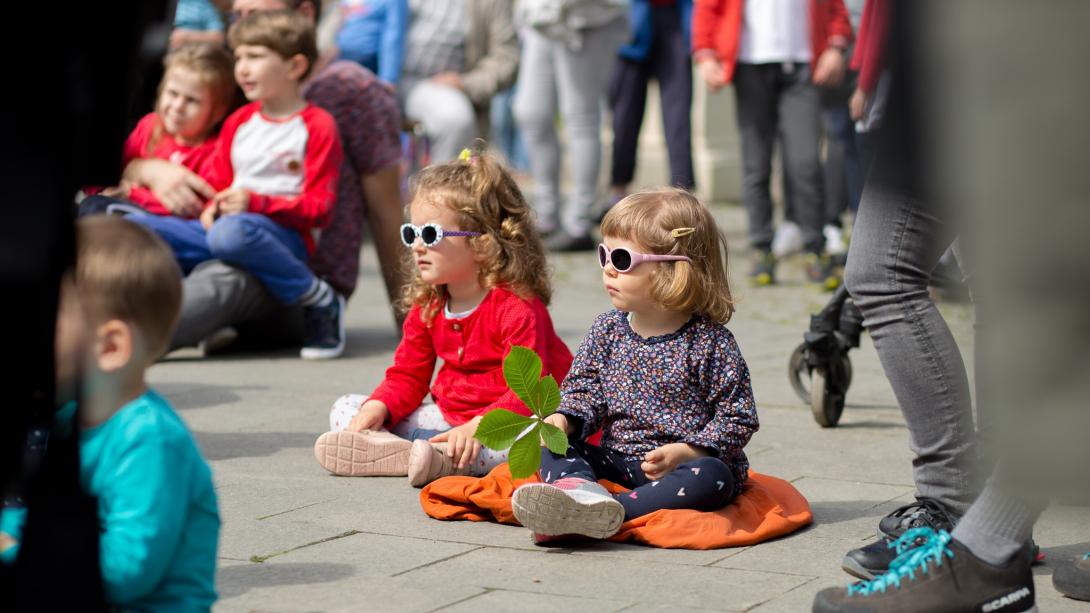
{"x":838,"y":28}
{"x":406,"y":383}
{"x":137,"y":143}
{"x":868,"y":58}
{"x":321,"y":170}
{"x":707,"y":21}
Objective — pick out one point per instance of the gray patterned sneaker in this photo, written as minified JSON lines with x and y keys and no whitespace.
{"x":939,"y":576}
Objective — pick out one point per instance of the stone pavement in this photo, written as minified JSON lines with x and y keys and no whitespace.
{"x":297,"y":539}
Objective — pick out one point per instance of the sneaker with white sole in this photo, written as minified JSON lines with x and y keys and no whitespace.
{"x":566,"y":507}
{"x":429,"y":461}
{"x":323,"y":330}
{"x":363,"y":454}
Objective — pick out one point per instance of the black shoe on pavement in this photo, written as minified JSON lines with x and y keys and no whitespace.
{"x":939,"y":576}
{"x":870,"y":560}
{"x":1073,"y":580}
{"x":561,"y":241}
{"x":323,"y":330}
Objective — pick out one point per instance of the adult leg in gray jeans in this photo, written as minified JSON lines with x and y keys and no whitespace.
{"x":552,"y":75}
{"x":898,"y":240}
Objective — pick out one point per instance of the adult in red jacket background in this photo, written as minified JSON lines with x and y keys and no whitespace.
{"x":777,"y":53}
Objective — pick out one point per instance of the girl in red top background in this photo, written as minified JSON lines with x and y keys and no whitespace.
{"x":197,"y":91}
{"x":480,"y":287}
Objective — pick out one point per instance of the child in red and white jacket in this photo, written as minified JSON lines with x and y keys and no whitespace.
{"x":275,"y":171}
{"x":480,"y":287}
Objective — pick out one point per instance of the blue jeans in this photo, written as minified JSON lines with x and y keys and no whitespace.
{"x":274,"y":254}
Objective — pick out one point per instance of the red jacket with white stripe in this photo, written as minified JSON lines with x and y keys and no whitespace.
{"x":717,"y":28}
{"x":289,"y":165}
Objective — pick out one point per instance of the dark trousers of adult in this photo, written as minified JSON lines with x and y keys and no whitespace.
{"x":896,"y":244}
{"x":669,"y":64}
{"x":779,"y":102}
{"x":704,"y":484}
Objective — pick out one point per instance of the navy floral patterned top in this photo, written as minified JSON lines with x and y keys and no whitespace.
{"x":690,"y":386}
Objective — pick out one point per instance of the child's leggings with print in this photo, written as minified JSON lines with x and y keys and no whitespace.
{"x":423,"y":423}
{"x":704,"y":484}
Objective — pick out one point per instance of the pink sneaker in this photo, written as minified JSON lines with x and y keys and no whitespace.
{"x":569,"y":506}
{"x":363,"y":454}
{"x":429,"y":461}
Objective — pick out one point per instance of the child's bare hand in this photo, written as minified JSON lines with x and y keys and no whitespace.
{"x":712,"y":72}
{"x":560,"y":421}
{"x":120,"y":190}
{"x":209,"y":216}
{"x":830,"y":69}
{"x":232,"y":201}
{"x":857,"y":106}
{"x":658,"y":462}
{"x":371,"y":417}
{"x":461,"y":446}
{"x":181,"y":190}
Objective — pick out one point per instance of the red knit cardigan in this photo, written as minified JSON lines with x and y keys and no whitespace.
{"x":470,"y":382}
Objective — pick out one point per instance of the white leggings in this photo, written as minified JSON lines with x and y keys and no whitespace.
{"x":426,"y":417}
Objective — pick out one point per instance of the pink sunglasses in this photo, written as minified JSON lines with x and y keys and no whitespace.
{"x":624,"y":260}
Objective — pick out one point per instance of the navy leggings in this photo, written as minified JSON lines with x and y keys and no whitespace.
{"x":704,"y":484}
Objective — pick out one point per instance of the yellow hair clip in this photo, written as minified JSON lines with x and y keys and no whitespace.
{"x":466,"y":155}
{"x":679,"y":232}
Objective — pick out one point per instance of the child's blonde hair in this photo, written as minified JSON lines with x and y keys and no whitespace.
{"x":672,"y":221}
{"x":124,"y":271}
{"x":287,"y":32}
{"x":215,"y":68}
{"x":487,"y":200}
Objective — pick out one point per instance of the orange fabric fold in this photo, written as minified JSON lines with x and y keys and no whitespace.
{"x":767,"y":508}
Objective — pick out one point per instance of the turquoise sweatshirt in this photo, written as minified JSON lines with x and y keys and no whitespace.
{"x":156,"y":507}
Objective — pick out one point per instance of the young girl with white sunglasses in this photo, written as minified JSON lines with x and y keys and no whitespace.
{"x":660,"y":375}
{"x":480,"y":287}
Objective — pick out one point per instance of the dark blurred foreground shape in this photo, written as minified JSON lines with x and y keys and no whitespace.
{"x":1008,"y":146}
{"x":66,"y":106}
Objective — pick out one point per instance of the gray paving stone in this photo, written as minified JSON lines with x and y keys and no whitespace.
{"x":557,"y":572}
{"x":506,"y":600}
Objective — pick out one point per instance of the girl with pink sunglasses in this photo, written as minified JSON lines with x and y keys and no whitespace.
{"x":660,"y":375}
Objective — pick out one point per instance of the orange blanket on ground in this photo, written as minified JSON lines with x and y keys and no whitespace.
{"x":767,"y":508}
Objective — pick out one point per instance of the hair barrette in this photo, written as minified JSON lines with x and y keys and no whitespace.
{"x":467,"y":156}
{"x":679,"y":232}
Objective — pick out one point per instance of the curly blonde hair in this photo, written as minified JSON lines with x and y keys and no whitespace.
{"x":487,"y":199}
{"x":651,"y":219}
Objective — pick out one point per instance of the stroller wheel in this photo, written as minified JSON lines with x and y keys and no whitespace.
{"x":826,"y":404}
{"x":798,"y":373}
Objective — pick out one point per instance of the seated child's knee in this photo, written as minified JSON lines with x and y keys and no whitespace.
{"x":230,"y":235}
{"x":343,"y":410}
{"x":717,"y":475}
